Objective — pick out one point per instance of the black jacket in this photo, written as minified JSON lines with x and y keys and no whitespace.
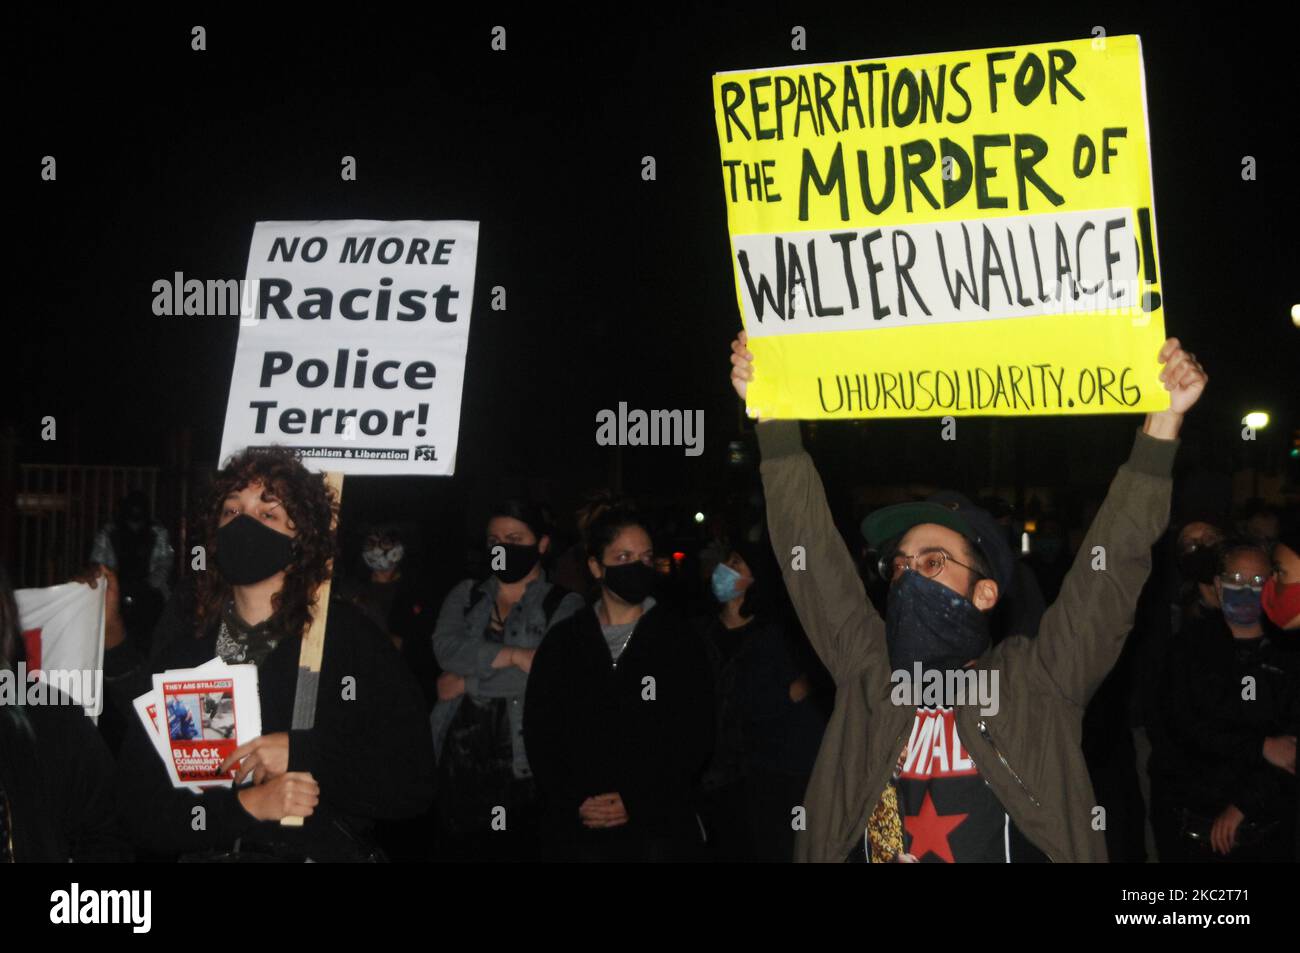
{"x":760,"y":729}
{"x":371,"y":752}
{"x":1211,"y":743}
{"x":643,"y":729}
{"x":57,"y":776}
{"x":411,"y":617}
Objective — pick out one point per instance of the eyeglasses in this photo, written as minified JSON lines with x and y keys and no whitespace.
{"x":929,"y":564}
{"x":1241,"y":580}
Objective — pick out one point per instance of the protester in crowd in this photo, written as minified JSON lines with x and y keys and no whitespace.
{"x":1280,"y":597}
{"x":137,"y":549}
{"x":1186,"y":595}
{"x":1224,"y":777}
{"x":382,"y":555}
{"x":768,"y":730}
{"x":1019,"y":789}
{"x":487,"y":635}
{"x":56,"y":774}
{"x":1122,"y":721}
{"x":620,"y":716}
{"x":1261,"y":522}
{"x":715,"y":548}
{"x":1198,"y":559}
{"x":398,"y":601}
{"x":395,"y":596}
{"x":267,"y":532}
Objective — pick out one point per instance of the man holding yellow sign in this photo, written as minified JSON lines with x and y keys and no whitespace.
{"x":1005,"y":782}
{"x":954,"y":234}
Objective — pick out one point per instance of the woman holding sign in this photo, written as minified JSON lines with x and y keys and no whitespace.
{"x":268,"y":542}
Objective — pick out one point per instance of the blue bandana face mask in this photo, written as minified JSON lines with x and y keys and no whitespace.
{"x":724,"y":583}
{"x":927,"y":622}
{"x":1241,"y":605}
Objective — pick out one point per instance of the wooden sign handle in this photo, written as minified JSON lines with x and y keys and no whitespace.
{"x":313,"y":643}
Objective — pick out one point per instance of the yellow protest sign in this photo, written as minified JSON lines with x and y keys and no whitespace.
{"x":957,"y":233}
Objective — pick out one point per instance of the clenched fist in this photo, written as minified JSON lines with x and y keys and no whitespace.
{"x":1185,"y":380}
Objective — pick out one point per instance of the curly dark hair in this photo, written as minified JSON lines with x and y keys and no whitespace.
{"x":311,"y":507}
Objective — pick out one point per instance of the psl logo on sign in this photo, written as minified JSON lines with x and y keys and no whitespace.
{"x":352,"y":346}
{"x":959,"y":233}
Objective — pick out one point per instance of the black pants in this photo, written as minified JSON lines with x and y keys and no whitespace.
{"x":518,"y":842}
{"x":726,"y":816}
{"x":772,"y":799}
{"x":1166,"y":825}
{"x":752,"y":820}
{"x":625,"y":844}
{"x":409,"y":841}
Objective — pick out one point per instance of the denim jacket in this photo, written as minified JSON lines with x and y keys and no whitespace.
{"x":461,"y":645}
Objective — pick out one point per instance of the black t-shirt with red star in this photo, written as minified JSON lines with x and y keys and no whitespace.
{"x":950,"y":815}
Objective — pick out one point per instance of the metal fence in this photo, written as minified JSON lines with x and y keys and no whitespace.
{"x":61,"y":508}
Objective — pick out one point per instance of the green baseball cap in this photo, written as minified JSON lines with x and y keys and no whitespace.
{"x":951,"y":510}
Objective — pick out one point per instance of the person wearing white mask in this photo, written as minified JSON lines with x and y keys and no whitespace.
{"x":382,"y":553}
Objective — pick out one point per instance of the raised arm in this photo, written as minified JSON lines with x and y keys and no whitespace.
{"x":824,"y":585}
{"x":1083,"y":632}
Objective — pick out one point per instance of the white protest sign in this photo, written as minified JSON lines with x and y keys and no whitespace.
{"x":63,"y":637}
{"x":352,"y":344}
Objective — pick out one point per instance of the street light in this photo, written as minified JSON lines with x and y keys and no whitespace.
{"x":1255,"y":420}
{"x":1295,"y":315}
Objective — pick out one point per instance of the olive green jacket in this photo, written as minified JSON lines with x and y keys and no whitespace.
{"x":1028,"y":751}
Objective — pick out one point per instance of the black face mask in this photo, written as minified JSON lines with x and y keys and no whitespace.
{"x":1199,"y":565}
{"x":631,"y":582}
{"x":248,"y":551}
{"x":927,"y":622}
{"x":520,"y":560}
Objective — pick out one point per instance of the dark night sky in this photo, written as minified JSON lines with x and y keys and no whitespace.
{"x":618,"y":289}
